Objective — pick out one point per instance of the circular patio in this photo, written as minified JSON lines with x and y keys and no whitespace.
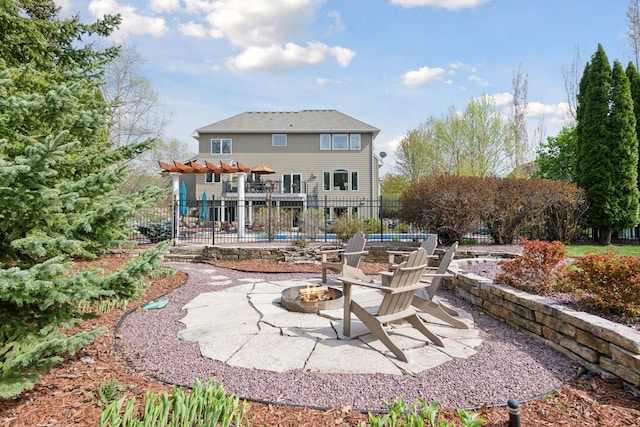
{"x":228,"y":324}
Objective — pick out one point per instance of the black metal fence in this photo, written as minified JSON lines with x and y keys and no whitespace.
{"x":284,"y":218}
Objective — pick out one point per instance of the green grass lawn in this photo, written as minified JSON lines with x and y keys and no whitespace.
{"x":575,"y":251}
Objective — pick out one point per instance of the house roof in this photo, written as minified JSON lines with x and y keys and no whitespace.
{"x":305,"y":121}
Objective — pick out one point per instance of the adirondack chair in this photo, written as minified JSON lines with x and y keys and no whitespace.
{"x":349,"y":259}
{"x":429,"y":244}
{"x":426,"y":300}
{"x":393,"y":306}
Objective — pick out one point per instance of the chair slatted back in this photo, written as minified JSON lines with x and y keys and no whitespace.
{"x":442,"y":268}
{"x":407,"y":273}
{"x":355,"y":244}
{"x":430,"y":244}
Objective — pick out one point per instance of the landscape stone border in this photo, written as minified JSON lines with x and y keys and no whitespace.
{"x":607,"y":348}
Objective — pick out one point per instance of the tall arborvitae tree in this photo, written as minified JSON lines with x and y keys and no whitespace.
{"x":606,"y":146}
{"x":634,"y":81}
{"x":622,"y":206}
{"x":58,"y":188}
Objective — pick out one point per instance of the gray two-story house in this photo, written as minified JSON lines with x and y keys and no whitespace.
{"x":313,"y":153}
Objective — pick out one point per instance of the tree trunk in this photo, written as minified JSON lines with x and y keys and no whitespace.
{"x":605,"y":236}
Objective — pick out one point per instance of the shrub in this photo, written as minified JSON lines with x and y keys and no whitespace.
{"x":346,"y":226}
{"x":606,"y":281}
{"x":511,"y":208}
{"x":445,"y":205}
{"x":312,"y":222}
{"x":535,"y":270}
{"x":156,"y":231}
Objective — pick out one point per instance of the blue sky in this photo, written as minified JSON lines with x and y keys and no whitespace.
{"x":389,"y":63}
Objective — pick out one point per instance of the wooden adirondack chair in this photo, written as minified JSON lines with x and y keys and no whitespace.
{"x":429,"y":244}
{"x":394,"y":305}
{"x":349,"y":259}
{"x":425,"y":299}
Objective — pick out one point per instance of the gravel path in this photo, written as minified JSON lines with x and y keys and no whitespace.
{"x":507,"y":365}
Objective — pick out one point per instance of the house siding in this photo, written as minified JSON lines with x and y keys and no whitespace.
{"x":302,"y":154}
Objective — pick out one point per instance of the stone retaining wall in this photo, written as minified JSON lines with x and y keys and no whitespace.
{"x":602,"y":346}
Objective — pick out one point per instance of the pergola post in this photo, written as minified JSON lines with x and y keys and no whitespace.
{"x":241,"y":211}
{"x":175,"y":195}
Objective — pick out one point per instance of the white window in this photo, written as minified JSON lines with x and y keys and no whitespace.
{"x":211,"y":177}
{"x":221,"y":146}
{"x":354,"y":181}
{"x":327,"y":181}
{"x":354,"y":141}
{"x":325,"y":141}
{"x":340,"y":180}
{"x":279,"y":139}
{"x":340,"y":141}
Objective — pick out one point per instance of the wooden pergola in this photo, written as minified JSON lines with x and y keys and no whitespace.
{"x":209,"y":167}
{"x":193,"y":167}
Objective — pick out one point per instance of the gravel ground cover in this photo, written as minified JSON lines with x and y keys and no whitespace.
{"x":507,"y":365}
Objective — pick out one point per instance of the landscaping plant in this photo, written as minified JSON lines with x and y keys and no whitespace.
{"x":606,"y":281}
{"x":420,"y":415}
{"x":60,"y":182}
{"x":535,"y":270}
{"x":204,"y":406}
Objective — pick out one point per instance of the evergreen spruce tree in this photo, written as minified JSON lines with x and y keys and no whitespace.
{"x":59,"y":184}
{"x":605,"y":150}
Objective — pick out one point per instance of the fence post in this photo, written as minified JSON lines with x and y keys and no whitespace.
{"x":174,"y":221}
{"x":212,"y":216}
{"x":380,"y":217}
{"x":269,"y":217}
{"x":324,"y":215}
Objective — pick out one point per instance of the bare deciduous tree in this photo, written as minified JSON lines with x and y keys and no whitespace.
{"x":518,"y":115}
{"x":137,"y":112}
{"x":572,"y":75}
{"x":633,"y":18}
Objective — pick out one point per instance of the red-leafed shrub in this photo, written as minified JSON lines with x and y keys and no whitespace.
{"x":509,"y":208}
{"x":606,"y":281}
{"x":535,"y":270}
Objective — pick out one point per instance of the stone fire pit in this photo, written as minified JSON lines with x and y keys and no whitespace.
{"x":323,"y":298}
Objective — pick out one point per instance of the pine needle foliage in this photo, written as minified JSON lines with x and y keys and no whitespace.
{"x":59,"y":182}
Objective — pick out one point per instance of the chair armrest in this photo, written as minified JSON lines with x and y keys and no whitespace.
{"x":355,"y":253}
{"x":357,"y":282}
{"x":399,"y":252}
{"x":444,"y":275}
{"x":330,"y":251}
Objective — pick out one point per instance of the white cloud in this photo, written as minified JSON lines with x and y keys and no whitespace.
{"x":324,"y":81}
{"x":538,"y":109}
{"x":422,"y":76}
{"x":342,"y":55}
{"x":479,"y":80}
{"x":198,"y":6}
{"x":132,"y":22}
{"x":337,"y":25}
{"x":256,"y":23}
{"x":502,"y":99}
{"x":278,"y":58}
{"x":193,"y":29}
{"x":65,"y":5}
{"x":446,"y":4}
{"x":164,"y":5}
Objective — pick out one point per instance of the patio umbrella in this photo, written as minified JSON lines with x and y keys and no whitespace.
{"x":205,"y":213}
{"x":183,"y":199}
{"x":262,"y":169}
